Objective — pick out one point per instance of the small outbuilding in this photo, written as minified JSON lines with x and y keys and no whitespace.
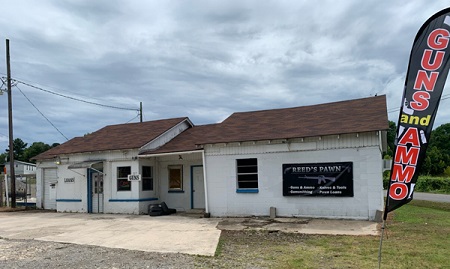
{"x":312,"y":161}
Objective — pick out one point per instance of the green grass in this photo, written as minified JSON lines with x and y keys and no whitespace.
{"x":417,"y":236}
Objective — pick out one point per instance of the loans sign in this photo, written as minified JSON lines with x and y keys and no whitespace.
{"x":427,"y":72}
{"x":318,"y":179}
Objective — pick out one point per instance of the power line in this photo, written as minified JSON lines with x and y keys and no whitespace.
{"x":73,"y":98}
{"x":133,"y":118}
{"x":41,"y":113}
{"x":392,"y":110}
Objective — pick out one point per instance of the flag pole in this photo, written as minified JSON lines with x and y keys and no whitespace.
{"x":381,"y":243}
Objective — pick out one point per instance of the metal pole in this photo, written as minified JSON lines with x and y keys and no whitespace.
{"x":6,"y":190}
{"x":1,"y":187}
{"x":140,"y":111}
{"x":10,"y":121}
{"x":381,"y":243}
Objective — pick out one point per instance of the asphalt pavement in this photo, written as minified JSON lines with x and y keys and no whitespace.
{"x":434,"y":197}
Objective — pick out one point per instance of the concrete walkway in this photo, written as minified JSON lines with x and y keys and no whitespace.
{"x":174,"y":234}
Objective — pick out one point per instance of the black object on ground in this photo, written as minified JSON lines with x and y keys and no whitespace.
{"x":160,"y":209}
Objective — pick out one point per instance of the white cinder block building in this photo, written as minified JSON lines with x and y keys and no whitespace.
{"x":313,"y":161}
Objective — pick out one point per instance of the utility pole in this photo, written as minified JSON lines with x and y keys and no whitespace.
{"x":140,"y":111}
{"x":12,"y":174}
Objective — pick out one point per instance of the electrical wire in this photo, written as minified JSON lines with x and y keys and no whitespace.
{"x":133,"y":118}
{"x":73,"y":98}
{"x":392,"y":110}
{"x":41,"y":113}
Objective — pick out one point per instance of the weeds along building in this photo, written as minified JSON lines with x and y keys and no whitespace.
{"x":313,"y":161}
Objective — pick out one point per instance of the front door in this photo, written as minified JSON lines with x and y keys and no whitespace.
{"x":198,"y":187}
{"x":97,"y":193}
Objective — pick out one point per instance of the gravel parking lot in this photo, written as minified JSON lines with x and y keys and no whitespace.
{"x":21,"y":254}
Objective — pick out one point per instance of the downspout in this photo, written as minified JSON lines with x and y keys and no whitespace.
{"x":205,"y":183}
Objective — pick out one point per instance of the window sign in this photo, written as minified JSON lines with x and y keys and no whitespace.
{"x":318,"y":179}
{"x":134,"y":177}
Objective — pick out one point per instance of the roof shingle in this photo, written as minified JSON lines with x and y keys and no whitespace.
{"x":114,"y":137}
{"x":353,"y":116}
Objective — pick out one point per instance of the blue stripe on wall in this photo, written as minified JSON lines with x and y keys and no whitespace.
{"x":247,"y":191}
{"x":133,"y":200}
{"x":69,"y":200}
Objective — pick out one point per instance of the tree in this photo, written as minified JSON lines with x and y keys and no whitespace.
{"x":19,"y":148}
{"x":434,"y":163}
{"x":391,"y":134}
{"x":3,"y":158}
{"x":440,"y":138}
{"x":35,"y":149}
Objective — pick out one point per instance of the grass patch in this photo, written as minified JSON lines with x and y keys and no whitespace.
{"x":417,"y":236}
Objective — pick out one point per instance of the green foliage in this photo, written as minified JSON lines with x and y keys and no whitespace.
{"x":447,"y":171}
{"x":19,"y":149}
{"x":433,"y":184}
{"x":426,"y":184}
{"x":434,"y":162}
{"x":3,"y":158}
{"x":391,"y":139}
{"x":35,"y":149}
{"x":24,"y":153}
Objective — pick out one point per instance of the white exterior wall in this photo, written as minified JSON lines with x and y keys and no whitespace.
{"x":362,"y":149}
{"x":73,"y":197}
{"x":178,"y":200}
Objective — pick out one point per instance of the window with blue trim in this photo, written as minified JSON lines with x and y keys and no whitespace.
{"x":175,"y":177}
{"x":247,"y":173}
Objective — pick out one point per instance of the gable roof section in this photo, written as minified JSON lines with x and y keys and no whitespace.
{"x":188,"y":140}
{"x":114,"y":137}
{"x":353,"y":116}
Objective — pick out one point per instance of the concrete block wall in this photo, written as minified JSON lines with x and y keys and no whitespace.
{"x":224,"y":201}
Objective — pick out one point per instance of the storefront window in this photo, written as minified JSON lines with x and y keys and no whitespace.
{"x":122,"y":178}
{"x":147,"y":178}
{"x":175,"y":178}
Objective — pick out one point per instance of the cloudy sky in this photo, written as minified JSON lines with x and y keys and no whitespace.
{"x":200,"y":59}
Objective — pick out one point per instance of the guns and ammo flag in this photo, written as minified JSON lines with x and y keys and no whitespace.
{"x":427,"y":72}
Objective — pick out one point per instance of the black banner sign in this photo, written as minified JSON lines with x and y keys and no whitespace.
{"x":318,"y":179}
{"x":427,"y":72}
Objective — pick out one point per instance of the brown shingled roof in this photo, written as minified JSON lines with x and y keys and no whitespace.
{"x":114,"y":137}
{"x":353,"y":116}
{"x":188,"y":140}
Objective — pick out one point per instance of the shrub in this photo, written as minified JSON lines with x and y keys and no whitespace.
{"x":426,"y":184}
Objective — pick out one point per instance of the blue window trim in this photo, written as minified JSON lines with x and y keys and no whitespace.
{"x":176,"y":191}
{"x":247,"y":190}
{"x":133,"y":200}
{"x":68,"y":200}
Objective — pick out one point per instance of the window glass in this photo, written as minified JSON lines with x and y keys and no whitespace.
{"x":122,"y":178}
{"x":247,"y":173}
{"x":175,"y":177}
{"x":147,"y":178}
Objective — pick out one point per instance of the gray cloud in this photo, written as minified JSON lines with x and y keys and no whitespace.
{"x":201,"y":59}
